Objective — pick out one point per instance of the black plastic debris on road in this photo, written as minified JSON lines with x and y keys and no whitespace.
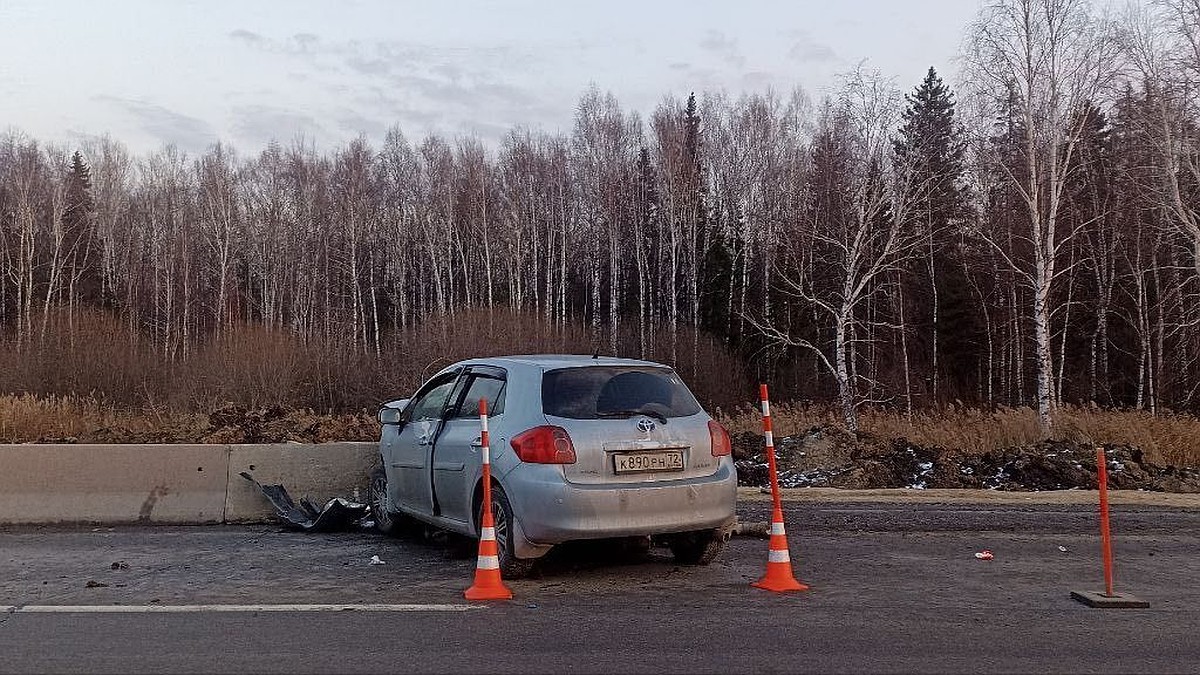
{"x":337,"y":514}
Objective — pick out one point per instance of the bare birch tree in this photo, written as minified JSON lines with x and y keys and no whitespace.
{"x":1162,"y":42}
{"x":858,"y":235}
{"x":1051,"y":59}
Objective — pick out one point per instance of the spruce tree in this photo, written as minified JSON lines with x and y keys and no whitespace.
{"x":715,"y":258}
{"x":82,"y":242}
{"x":79,"y":189}
{"x":931,"y":146}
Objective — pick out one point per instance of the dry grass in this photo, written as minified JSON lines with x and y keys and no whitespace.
{"x":94,"y":355}
{"x":28,"y":418}
{"x":31,"y":419}
{"x":1165,"y":438}
{"x":93,"y":379}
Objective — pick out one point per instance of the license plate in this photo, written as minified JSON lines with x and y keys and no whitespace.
{"x":634,"y":462}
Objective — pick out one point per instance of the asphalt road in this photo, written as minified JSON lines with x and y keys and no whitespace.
{"x":895,"y":588}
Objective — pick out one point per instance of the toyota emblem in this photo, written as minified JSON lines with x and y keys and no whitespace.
{"x":645,"y":425}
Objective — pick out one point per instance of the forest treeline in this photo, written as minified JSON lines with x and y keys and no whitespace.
{"x":1029,"y":237}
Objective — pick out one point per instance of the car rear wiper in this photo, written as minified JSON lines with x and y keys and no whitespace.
{"x":630,"y":413}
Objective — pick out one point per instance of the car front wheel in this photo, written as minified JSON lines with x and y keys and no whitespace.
{"x":387,"y":521}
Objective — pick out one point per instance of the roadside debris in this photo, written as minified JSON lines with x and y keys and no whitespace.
{"x":1063,"y":549}
{"x":376,"y":561}
{"x":337,"y":514}
{"x":832,"y":457}
{"x":95,"y":584}
{"x":984,"y":555}
{"x":120,"y":565}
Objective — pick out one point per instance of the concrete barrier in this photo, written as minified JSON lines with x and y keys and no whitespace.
{"x":113,"y":483}
{"x":170,"y":483}
{"x":319,"y":472}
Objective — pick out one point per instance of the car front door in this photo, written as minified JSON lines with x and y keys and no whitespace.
{"x":457,"y":460}
{"x":412,"y":451}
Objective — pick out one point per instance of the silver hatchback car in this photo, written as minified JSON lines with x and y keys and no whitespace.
{"x":582,"y":447}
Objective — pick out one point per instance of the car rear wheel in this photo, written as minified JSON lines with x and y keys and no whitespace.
{"x":511,"y":567}
{"x":697,"y":548}
{"x":636,"y":548}
{"x":387,"y":521}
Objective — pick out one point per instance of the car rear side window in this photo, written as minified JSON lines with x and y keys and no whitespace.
{"x":595,"y":392}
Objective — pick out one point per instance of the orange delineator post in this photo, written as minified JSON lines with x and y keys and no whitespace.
{"x":779,"y":577}
{"x":1109,"y":598}
{"x":1105,"y":533}
{"x":488,"y":585}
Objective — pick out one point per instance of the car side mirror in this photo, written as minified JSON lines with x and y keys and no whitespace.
{"x":389,"y":415}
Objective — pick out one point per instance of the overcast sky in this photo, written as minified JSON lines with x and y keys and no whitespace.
{"x":190,"y":73}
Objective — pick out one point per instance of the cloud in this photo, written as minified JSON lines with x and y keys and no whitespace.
{"x":165,"y":125}
{"x":454,"y":74}
{"x":354,"y":123}
{"x":263,"y":123}
{"x":379,"y":108}
{"x":473,"y":94}
{"x":424,"y":104}
{"x":449,"y":70}
{"x":306,"y":41}
{"x":723,"y":46}
{"x":806,"y":50}
{"x":453,"y":90}
{"x":758,"y":79}
{"x":80,"y":138}
{"x":427,"y":88}
{"x":695,"y":78}
{"x":369,"y":66}
{"x":307,"y":46}
{"x":716,"y":41}
{"x":495,"y":133}
{"x":248,"y":37}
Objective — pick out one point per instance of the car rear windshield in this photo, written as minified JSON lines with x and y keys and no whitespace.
{"x":596,"y":392}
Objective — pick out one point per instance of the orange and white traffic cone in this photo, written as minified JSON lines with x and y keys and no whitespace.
{"x":779,"y":577}
{"x":488,"y":585}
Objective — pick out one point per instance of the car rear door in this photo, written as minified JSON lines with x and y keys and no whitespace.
{"x":457,"y":459}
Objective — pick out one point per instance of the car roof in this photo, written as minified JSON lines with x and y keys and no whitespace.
{"x":553,"y":361}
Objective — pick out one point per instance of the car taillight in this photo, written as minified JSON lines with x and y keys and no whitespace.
{"x":721,"y":444}
{"x":544,"y":445}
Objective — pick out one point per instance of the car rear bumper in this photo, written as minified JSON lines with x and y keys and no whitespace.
{"x":552,"y":510}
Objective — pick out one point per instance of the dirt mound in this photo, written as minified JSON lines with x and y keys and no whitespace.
{"x":830,"y":457}
{"x":235,"y":424}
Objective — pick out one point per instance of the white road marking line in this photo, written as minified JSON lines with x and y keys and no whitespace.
{"x":183,"y":609}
